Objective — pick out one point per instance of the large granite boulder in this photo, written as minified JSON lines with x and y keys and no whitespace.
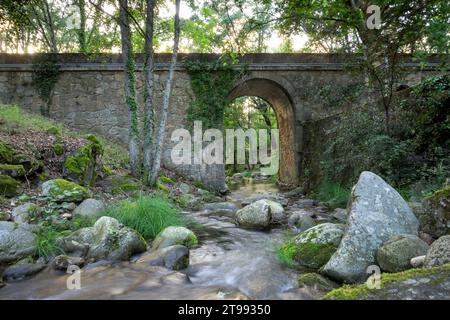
{"x":395,"y":254}
{"x":16,"y":241}
{"x":376,"y":213}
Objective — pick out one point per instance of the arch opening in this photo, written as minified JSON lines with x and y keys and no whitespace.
{"x":274,"y":95}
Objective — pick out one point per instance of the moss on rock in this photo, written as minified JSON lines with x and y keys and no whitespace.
{"x":64,"y":191}
{"x":83,"y":163}
{"x":9,"y":187}
{"x":353,"y":292}
{"x":6,"y":153}
{"x":12,"y":170}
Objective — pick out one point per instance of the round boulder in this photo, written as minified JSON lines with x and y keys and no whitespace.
{"x":89,"y":208}
{"x":16,"y":241}
{"x":314,"y":247}
{"x":395,"y":254}
{"x":438,"y":253}
{"x":24,"y":212}
{"x":174,"y":236}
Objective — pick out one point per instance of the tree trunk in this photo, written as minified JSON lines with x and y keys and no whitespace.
{"x":166,"y":100}
{"x":82,"y":27}
{"x":130,"y":88}
{"x":148,"y":92}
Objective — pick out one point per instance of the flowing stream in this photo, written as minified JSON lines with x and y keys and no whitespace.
{"x":229,"y":263}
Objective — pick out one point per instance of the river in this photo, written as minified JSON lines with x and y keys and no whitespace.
{"x":229,"y":263}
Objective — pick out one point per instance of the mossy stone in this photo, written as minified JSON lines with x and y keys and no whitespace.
{"x":9,"y":187}
{"x":6,"y":153}
{"x":61,"y":190}
{"x":29,"y":163}
{"x":12,"y":170}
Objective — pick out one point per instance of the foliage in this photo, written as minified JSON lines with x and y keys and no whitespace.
{"x":46,"y":71}
{"x":332,"y":194}
{"x":414,"y":153}
{"x":47,"y":246}
{"x":211,"y":84}
{"x":147,"y":215}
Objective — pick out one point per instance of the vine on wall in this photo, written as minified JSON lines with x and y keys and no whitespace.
{"x":211,"y":84}
{"x":46,"y":71}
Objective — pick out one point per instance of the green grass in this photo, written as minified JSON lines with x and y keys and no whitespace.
{"x":332,"y":194}
{"x":286,"y":254}
{"x":46,"y":243}
{"x":147,"y":215}
{"x":14,"y":119}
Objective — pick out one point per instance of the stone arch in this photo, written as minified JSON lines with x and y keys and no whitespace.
{"x":279,"y":99}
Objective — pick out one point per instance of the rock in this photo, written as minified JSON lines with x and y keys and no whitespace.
{"x":340,"y":215}
{"x":16,"y":241}
{"x":304,"y":203}
{"x":414,"y":284}
{"x":301,"y":221}
{"x":12,"y":170}
{"x":9,"y":187}
{"x":89,"y":208}
{"x":438,"y":253}
{"x":174,"y":257}
{"x":272,"y":196}
{"x":314,"y":247}
{"x":184,"y":188}
{"x":376,"y":213}
{"x":294,"y":192}
{"x":25,"y":212}
{"x":434,"y":213}
{"x":418,"y":262}
{"x":116,"y":184}
{"x":4,"y":216}
{"x":260,"y":214}
{"x":106,"y":240}
{"x":28,"y":162}
{"x":221,"y":207}
{"x":22,"y":271}
{"x":61,"y":190}
{"x":174,"y":235}
{"x":317,"y":282}
{"x":62,"y":262}
{"x":83,"y":165}
{"x":396,"y":253}
{"x":426,"y":237}
{"x":189,"y":201}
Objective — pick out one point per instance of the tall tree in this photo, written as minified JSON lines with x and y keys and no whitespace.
{"x":130,"y":88}
{"x":148,"y":91}
{"x":166,"y":99}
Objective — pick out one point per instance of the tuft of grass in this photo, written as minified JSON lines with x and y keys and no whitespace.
{"x":333,"y":194}
{"x":286,"y":254}
{"x":148,"y":215}
{"x":79,"y":222}
{"x":47,"y":246}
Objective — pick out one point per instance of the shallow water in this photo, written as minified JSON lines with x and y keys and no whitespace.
{"x":230,"y":263}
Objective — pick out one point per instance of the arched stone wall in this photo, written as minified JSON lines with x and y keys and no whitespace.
{"x":279,"y":99}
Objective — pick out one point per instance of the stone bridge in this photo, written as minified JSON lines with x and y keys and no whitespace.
{"x":89,"y":96}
